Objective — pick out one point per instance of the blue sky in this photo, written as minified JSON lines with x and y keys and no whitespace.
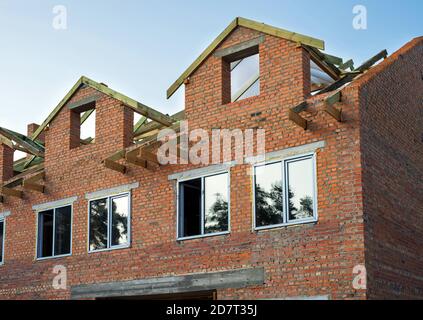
{"x":141,"y":47}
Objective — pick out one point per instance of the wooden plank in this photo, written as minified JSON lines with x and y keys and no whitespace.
{"x":33,"y":186}
{"x":36,"y":177}
{"x":261,"y":27}
{"x":281,"y":33}
{"x":197,"y":62}
{"x":23,"y":142}
{"x":330,"y":109}
{"x":86,"y":115}
{"x":149,"y":156}
{"x":56,"y":110}
{"x":366,"y":65}
{"x":318,"y":58}
{"x":139,"y":124}
{"x":334,"y":98}
{"x":132,"y":158}
{"x":114,"y":166}
{"x":131,"y":103}
{"x":301,"y":107}
{"x":12,"y":192}
{"x":295,"y":117}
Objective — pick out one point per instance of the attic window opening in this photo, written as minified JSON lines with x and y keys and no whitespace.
{"x":244,"y":74}
{"x":83,"y":124}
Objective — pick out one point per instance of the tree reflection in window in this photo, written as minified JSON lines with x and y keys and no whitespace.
{"x":269,"y":192}
{"x":109,"y":221}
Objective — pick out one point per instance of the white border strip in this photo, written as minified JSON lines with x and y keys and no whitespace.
{"x":54,"y":204}
{"x":206,"y":171}
{"x":286,"y":153}
{"x":112,"y":191}
{"x":4,"y":214}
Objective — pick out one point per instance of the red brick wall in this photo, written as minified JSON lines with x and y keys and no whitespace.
{"x":391,"y":99}
{"x":305,"y":260}
{"x":6,"y":162}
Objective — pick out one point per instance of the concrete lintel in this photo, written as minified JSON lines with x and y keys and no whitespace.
{"x":240,"y":278}
{"x":238,"y":48}
{"x":191,"y":174}
{"x":286,"y":153}
{"x":111,"y":191}
{"x":4,"y":215}
{"x":54,"y":204}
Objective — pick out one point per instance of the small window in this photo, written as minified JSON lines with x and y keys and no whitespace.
{"x":245,"y":78}
{"x":54,"y":232}
{"x":2,"y":231}
{"x":285,"y":192}
{"x":204,"y":206}
{"x":109,"y":223}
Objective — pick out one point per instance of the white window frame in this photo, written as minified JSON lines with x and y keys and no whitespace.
{"x":54,"y":233}
{"x":284,"y":164}
{"x":109,"y":226}
{"x":202,"y":177}
{"x":3,"y":219}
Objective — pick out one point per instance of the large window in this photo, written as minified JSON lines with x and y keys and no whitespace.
{"x":54,"y":232}
{"x":109,"y":222}
{"x":285,"y":192}
{"x":2,"y":231}
{"x":204,"y":206}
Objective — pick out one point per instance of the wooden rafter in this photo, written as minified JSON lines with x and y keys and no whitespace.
{"x":113,"y":165}
{"x":12,"y":192}
{"x":31,"y":183}
{"x":330,"y":109}
{"x":254,"y":25}
{"x":293,"y":115}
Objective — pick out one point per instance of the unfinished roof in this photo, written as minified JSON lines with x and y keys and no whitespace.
{"x":242,"y":22}
{"x":138,"y":107}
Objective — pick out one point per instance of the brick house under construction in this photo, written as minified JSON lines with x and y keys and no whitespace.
{"x":340,"y":184}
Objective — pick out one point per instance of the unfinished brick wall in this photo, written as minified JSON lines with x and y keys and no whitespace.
{"x":6,"y":162}
{"x":391,"y":105}
{"x":305,"y":260}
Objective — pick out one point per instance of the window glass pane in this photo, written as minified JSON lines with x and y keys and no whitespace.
{"x":45,"y":234}
{"x":98,"y":224}
{"x":300,"y":181}
{"x":216,"y":204}
{"x":269,"y":195}
{"x":88,"y":127}
{"x":120,"y":214}
{"x":190,"y":208}
{"x":252,"y":91}
{"x":1,"y":240}
{"x":62,"y":237}
{"x":244,"y":73}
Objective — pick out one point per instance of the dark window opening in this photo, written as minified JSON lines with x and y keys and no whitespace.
{"x":190,"y":208}
{"x":1,"y":240}
{"x":54,"y":232}
{"x":109,"y":222}
{"x":204,"y":206}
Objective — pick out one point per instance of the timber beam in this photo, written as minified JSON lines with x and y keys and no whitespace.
{"x":30,"y":183}
{"x":12,"y":192}
{"x":330,"y":109}
{"x":294,"y":116}
{"x":110,"y":164}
